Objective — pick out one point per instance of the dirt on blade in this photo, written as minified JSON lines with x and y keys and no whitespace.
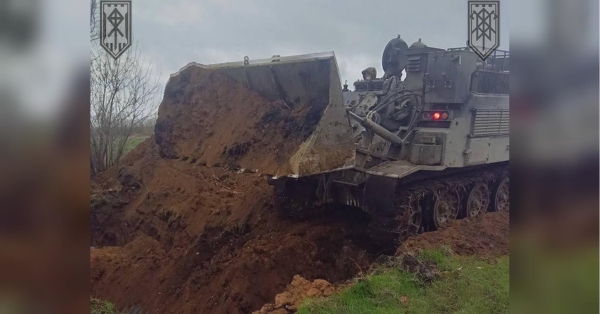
{"x":186,"y":224}
{"x":208,"y":117}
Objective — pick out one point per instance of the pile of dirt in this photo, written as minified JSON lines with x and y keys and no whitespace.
{"x":185,"y":225}
{"x":208,"y":117}
{"x":486,"y":236}
{"x":231,"y":256}
{"x":295,"y":293}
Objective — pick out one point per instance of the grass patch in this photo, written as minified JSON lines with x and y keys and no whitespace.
{"x":98,"y":306}
{"x":102,"y":307}
{"x":554,"y":279}
{"x":132,"y":142}
{"x":468,"y":285}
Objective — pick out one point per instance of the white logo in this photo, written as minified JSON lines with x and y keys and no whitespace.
{"x":115,"y":26}
{"x":484,"y":27}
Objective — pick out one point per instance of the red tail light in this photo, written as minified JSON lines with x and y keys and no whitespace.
{"x":436,"y":116}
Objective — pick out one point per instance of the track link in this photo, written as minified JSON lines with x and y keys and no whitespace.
{"x":418,"y":205}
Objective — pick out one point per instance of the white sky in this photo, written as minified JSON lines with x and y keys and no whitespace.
{"x":173,"y":33}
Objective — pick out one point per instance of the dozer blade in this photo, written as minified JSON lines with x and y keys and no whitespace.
{"x":310,"y":84}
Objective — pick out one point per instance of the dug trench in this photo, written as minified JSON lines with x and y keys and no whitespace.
{"x":185,"y":223}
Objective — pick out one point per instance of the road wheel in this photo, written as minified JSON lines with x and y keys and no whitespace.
{"x":446,"y":205}
{"x":478,"y":200}
{"x":501,"y":201}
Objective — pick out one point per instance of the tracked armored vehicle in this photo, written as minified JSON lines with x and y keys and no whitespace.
{"x":423,"y":145}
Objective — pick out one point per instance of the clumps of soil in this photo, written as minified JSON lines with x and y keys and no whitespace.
{"x":220,"y":259}
{"x":295,"y":293}
{"x":426,"y":269}
{"x":490,"y":232}
{"x":208,"y":117}
{"x":185,"y":223}
{"x":485,"y":236}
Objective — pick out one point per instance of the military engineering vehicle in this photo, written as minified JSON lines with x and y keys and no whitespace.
{"x":423,"y":145}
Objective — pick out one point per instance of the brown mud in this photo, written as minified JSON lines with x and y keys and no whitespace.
{"x":208,"y":117}
{"x":295,"y":293}
{"x":485,"y":236}
{"x":186,"y":223}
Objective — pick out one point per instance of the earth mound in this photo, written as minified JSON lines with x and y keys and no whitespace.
{"x":486,"y":236}
{"x":186,"y":222}
{"x":208,"y":117}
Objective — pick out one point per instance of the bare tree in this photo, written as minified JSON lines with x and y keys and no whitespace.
{"x":94,"y":20}
{"x":122,"y":94}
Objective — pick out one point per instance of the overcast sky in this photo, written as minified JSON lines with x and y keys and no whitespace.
{"x":173,"y":33}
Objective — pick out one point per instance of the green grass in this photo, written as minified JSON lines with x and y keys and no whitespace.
{"x":467,"y":285}
{"x":555,"y":280}
{"x":98,"y":306}
{"x":132,"y":142}
{"x":102,"y":307}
